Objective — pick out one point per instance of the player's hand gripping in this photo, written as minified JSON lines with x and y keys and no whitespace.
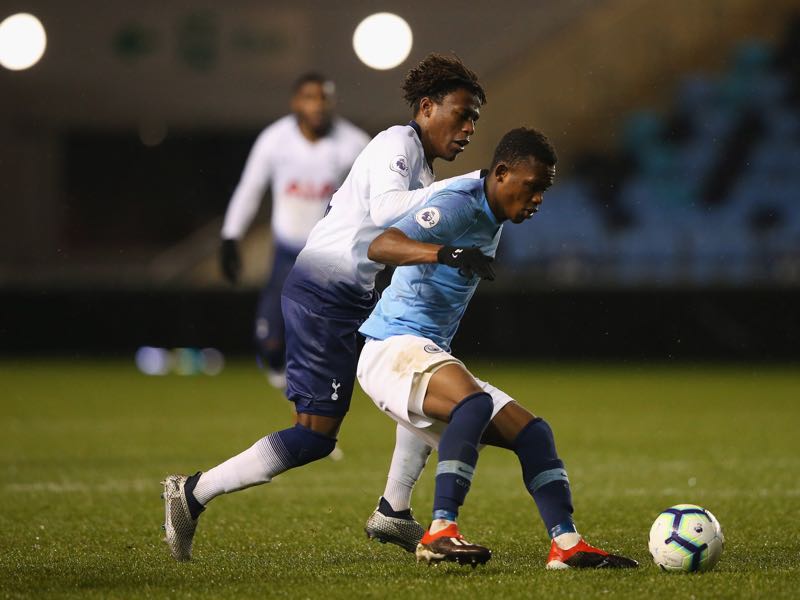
{"x":229,"y":260}
{"x":468,"y":261}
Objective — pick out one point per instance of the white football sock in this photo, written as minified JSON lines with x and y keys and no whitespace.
{"x":258,"y":464}
{"x":408,"y":460}
{"x":565,"y":541}
{"x":438,"y":524}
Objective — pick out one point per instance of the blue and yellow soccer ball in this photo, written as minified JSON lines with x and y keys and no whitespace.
{"x":686,"y":538}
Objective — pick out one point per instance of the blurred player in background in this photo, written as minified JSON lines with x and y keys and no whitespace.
{"x":330,"y":292}
{"x":406,"y":365}
{"x":305,"y":156}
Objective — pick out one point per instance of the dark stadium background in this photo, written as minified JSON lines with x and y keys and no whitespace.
{"x":673,"y":232}
{"x":649,"y":311}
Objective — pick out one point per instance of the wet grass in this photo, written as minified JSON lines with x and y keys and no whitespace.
{"x":83,"y":446}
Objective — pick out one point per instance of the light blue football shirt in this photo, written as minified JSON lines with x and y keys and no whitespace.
{"x":429,"y":300}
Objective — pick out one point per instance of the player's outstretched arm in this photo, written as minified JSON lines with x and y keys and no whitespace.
{"x":246,"y":198}
{"x":395,"y":248}
{"x":389,"y":206}
{"x":468,"y":261}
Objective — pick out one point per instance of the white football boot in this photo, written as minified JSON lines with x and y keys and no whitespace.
{"x":179,"y":526}
{"x":405,"y":533}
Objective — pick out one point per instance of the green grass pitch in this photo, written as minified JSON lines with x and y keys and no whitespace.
{"x":83,"y":446}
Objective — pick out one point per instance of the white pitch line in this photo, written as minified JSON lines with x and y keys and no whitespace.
{"x":115,"y":486}
{"x":80,"y":487}
{"x":724,"y":493}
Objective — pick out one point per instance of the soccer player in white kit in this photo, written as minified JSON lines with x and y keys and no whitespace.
{"x":305,"y":156}
{"x":327,"y":296}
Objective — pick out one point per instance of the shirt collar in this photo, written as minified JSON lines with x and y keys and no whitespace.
{"x":418,"y":130}
{"x":486,"y":208}
{"x":415,"y":126}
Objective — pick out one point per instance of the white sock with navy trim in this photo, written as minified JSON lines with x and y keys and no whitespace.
{"x":409,"y":458}
{"x":258,"y":464}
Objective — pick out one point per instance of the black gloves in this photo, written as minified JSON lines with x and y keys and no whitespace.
{"x":229,"y":260}
{"x":468,"y":261}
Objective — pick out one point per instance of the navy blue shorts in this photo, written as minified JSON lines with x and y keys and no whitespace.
{"x":321,"y":359}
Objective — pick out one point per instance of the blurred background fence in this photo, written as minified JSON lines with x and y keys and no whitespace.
{"x":673,"y":230}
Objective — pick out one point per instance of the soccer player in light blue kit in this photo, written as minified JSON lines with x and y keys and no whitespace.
{"x":406,"y":365}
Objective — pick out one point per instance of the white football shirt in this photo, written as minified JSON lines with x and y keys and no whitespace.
{"x":388,"y":179}
{"x":304,"y":176}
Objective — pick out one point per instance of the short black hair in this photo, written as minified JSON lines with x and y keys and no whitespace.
{"x":436,"y":76}
{"x":310,"y":77}
{"x":518,"y":144}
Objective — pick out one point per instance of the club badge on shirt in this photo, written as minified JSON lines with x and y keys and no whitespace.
{"x":428,"y":217}
{"x":399,"y":164}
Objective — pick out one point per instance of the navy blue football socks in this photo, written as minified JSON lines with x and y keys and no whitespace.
{"x":195,"y":508}
{"x":458,"y":453}
{"x":304,"y":445}
{"x":545,"y":477}
{"x":386,"y":509}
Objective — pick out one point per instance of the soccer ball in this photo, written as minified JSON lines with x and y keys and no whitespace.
{"x":686,"y":538}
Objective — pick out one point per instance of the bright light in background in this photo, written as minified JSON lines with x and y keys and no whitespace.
{"x":152,"y":360}
{"x":22,"y":41}
{"x":382,"y":41}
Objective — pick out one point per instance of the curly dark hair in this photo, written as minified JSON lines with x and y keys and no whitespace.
{"x":436,"y":76}
{"x":518,"y":144}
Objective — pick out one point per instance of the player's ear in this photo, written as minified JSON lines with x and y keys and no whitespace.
{"x":500,"y":171}
{"x":426,"y":107}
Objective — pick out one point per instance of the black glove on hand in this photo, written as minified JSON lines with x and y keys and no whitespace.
{"x":229,"y":260}
{"x":468,"y":261}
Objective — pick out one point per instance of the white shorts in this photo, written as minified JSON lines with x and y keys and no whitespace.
{"x":395,"y":373}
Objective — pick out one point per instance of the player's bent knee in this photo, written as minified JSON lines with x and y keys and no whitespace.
{"x":481,"y":405}
{"x":306,"y":445}
{"x":536,"y":440}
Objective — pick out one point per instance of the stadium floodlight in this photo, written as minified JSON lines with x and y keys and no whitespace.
{"x":22,"y":41}
{"x":382,"y":41}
